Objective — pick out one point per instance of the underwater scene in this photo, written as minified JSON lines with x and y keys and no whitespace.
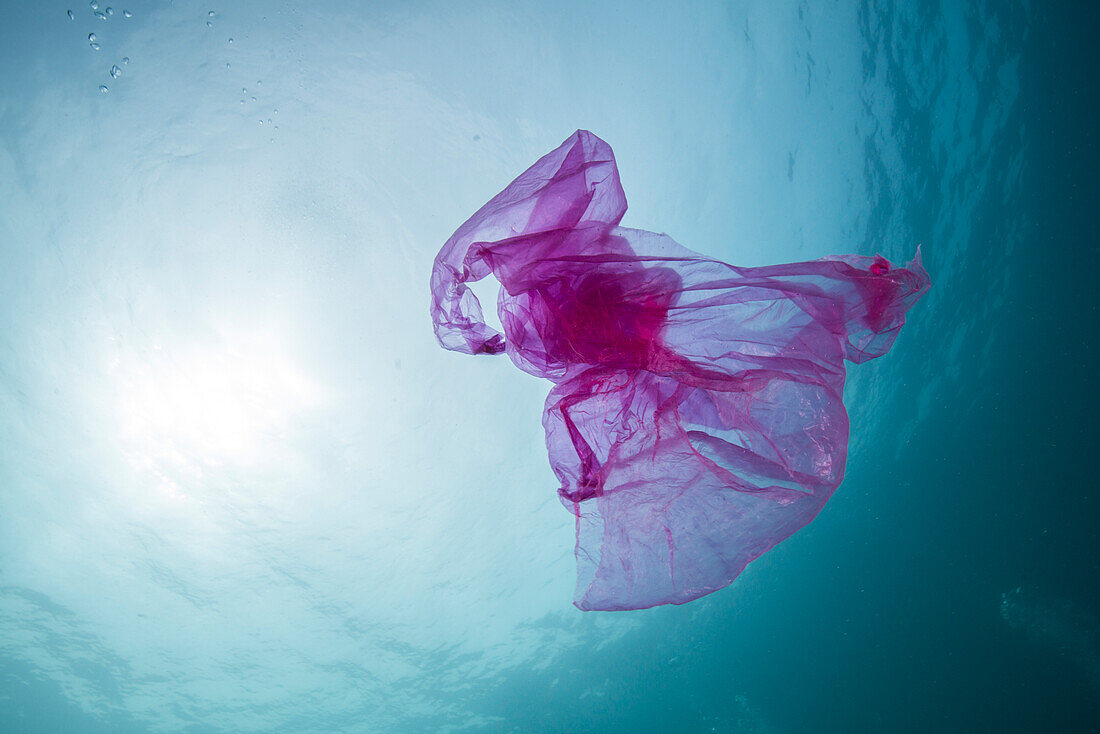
{"x":717,"y":366}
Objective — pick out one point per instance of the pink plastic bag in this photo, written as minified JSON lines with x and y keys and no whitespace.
{"x":696,"y":417}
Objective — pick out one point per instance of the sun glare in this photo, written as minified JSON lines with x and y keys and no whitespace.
{"x":189,"y":406}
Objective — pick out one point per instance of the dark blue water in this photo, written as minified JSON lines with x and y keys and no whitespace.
{"x":242,"y":490}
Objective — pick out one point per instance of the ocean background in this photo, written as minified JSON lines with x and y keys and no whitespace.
{"x":243,"y":490}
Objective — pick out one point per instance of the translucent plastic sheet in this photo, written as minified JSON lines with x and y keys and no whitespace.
{"x":696,"y":417}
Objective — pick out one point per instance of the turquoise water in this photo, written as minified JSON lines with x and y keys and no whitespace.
{"x":242,"y":489}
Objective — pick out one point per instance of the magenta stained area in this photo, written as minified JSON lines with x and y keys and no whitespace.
{"x":696,"y":417}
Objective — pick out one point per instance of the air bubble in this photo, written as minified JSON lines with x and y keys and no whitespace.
{"x":115,"y":71}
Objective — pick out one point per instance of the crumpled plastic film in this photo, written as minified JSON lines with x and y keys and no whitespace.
{"x":696,"y":417}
